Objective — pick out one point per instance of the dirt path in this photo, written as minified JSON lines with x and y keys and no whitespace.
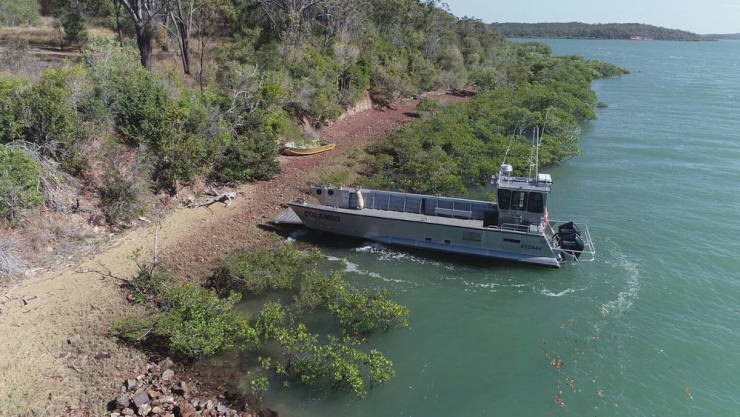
{"x":41,"y":372}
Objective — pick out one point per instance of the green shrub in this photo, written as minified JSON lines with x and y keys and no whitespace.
{"x":301,"y":358}
{"x":195,"y":322}
{"x":120,"y":197}
{"x":73,"y":25}
{"x":262,"y":270}
{"x":247,"y":158}
{"x":53,"y":122}
{"x":12,"y":105}
{"x":359,"y":312}
{"x":142,"y":110}
{"x":19,"y":183}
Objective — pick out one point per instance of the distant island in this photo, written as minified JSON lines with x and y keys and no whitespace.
{"x":722,"y":36}
{"x":577,"y":30}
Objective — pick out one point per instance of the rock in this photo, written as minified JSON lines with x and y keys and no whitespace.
{"x":187,"y":410}
{"x":123,"y":401}
{"x":131,"y":384}
{"x":127,"y":412}
{"x":168,"y":375}
{"x":115,"y":414}
{"x":153,"y":394}
{"x":166,"y":363}
{"x":169,"y":415}
{"x":168,"y":399}
{"x":222,"y":408}
{"x":74,"y":340}
{"x":145,"y":409}
{"x":157,"y":410}
{"x":209,"y":404}
{"x":141,"y":399}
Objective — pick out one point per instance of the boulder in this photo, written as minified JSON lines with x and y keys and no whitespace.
{"x":168,"y":375}
{"x":131,"y":384}
{"x":166,"y":363}
{"x":141,"y":399}
{"x":127,"y":412}
{"x":187,"y":410}
{"x":145,"y":409}
{"x":74,"y":340}
{"x":123,"y":401}
{"x":157,"y":410}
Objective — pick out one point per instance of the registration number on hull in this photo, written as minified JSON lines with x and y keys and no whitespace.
{"x":322,"y":216}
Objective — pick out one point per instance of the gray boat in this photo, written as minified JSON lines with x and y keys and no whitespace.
{"x":515,"y":228}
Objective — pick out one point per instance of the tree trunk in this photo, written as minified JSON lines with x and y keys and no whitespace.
{"x":118,"y":23}
{"x":144,"y":42}
{"x":184,"y":47}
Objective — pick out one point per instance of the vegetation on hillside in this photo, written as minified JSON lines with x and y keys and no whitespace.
{"x":251,"y":73}
{"x":462,"y":145}
{"x":579,"y":30}
{"x":295,"y":290}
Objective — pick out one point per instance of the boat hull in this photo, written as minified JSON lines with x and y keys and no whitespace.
{"x":490,"y":243}
{"x":307,"y":151}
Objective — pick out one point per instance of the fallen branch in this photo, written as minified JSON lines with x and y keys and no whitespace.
{"x":221,"y":198}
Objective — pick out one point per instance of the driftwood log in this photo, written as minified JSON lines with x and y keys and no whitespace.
{"x":220,"y":198}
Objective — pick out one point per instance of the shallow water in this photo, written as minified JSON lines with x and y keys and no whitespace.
{"x":652,"y":328}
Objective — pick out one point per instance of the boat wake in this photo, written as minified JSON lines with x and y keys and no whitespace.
{"x":629,"y":294}
{"x":351,"y":267}
{"x":384,"y":253}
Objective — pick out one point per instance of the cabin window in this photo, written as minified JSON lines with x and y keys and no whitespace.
{"x":519,"y":200}
{"x":318,"y":192}
{"x":536,"y":203}
{"x":504,"y":199}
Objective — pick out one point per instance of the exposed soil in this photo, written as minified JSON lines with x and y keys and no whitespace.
{"x":55,"y":351}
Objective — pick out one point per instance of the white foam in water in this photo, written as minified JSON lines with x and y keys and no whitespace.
{"x":549,"y":293}
{"x":354,"y":268}
{"x":386,"y":254}
{"x":625,"y":298}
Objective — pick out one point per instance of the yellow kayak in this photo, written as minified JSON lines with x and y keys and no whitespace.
{"x":307,"y":151}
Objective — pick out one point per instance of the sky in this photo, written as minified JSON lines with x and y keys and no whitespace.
{"x":703,"y":16}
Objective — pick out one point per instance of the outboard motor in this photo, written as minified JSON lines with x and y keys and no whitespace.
{"x":570,"y":239}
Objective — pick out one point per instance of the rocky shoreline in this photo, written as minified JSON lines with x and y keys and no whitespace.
{"x":161,"y":392}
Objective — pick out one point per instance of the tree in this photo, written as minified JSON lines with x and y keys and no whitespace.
{"x":74,"y":28}
{"x":344,"y":18}
{"x":211,"y":16}
{"x":145,"y":14}
{"x":182,"y":14}
{"x":287,"y":17}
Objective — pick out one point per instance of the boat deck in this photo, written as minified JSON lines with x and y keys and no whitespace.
{"x":416,"y":217}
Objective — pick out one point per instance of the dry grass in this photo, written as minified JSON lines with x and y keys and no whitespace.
{"x":44,"y":34}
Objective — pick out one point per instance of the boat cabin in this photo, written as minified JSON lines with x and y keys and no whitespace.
{"x":522,"y":201}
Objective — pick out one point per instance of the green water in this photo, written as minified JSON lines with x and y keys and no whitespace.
{"x":652,"y":328}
